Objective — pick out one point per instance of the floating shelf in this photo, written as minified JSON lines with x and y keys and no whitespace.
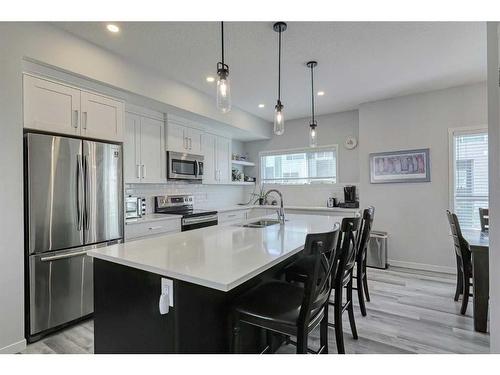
{"x":242,"y":183}
{"x":243,"y":162}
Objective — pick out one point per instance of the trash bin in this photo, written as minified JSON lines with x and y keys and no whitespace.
{"x":376,"y":256}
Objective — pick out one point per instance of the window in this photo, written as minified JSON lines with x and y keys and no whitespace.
{"x":469,"y":175}
{"x":305,"y":166}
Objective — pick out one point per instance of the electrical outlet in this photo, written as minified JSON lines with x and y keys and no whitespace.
{"x":167,"y":287}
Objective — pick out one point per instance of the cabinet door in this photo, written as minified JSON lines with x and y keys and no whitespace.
{"x":51,"y":106}
{"x":223,"y":160}
{"x":176,"y":138}
{"x":209,"y":164}
{"x":153,"y":155}
{"x":102,"y":117}
{"x":132,"y":149}
{"x":194,"y":141}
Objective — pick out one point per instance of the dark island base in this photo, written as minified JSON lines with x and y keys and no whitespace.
{"x":127,"y":318}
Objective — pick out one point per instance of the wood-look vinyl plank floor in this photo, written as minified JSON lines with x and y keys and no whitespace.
{"x":410,"y":312}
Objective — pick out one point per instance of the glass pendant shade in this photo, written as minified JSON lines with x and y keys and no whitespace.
{"x":313,"y":135}
{"x":279,"y":119}
{"x":223,"y":93}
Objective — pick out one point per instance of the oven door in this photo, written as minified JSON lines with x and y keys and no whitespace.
{"x":183,"y":166}
{"x":190,"y":223}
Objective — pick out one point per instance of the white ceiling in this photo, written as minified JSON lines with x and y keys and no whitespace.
{"x":358,"y":61}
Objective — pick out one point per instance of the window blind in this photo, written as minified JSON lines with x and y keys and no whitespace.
{"x":307,"y":166}
{"x":470,"y":187}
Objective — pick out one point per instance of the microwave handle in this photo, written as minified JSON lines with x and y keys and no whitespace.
{"x":196,"y":168}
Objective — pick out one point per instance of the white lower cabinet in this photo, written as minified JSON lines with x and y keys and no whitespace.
{"x":151,"y":228}
{"x":217,"y":163}
{"x":144,"y":150}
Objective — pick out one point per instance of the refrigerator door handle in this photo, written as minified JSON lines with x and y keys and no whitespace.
{"x":63,"y":256}
{"x":79,"y":183}
{"x":87,"y":191}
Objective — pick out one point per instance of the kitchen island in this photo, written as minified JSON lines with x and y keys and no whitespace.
{"x":199,"y":273}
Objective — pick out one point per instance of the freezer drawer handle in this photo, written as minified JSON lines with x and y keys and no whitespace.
{"x":63,"y":256}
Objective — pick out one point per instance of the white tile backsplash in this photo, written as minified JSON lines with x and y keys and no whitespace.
{"x":205,"y":196}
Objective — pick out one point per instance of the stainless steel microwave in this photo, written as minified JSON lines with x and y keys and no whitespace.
{"x":182,"y":166}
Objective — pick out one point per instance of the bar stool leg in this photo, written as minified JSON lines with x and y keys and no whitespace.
{"x":337,"y":319}
{"x":460,"y":284}
{"x":323,"y":331}
{"x":365,"y":282}
{"x":302,"y":337}
{"x":350,"y":310}
{"x":236,"y":334}
{"x":359,"y":287}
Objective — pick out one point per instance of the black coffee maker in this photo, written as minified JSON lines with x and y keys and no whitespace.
{"x":350,"y":197}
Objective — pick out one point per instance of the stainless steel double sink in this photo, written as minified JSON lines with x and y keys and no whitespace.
{"x":261,"y":223}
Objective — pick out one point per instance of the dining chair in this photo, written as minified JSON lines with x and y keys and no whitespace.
{"x":292,"y":309}
{"x":464,"y":263}
{"x":484,"y":218}
{"x":344,"y":261}
{"x":362,"y":241}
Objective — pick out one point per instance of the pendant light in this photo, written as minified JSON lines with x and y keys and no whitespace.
{"x":279,"y":119}
{"x":223,"y":88}
{"x":313,"y":132}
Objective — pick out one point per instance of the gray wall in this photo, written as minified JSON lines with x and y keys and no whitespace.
{"x":414,"y":213}
{"x":494,"y":184}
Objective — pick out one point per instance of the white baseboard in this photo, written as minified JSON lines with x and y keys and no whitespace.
{"x":422,"y":266}
{"x":14,"y":348}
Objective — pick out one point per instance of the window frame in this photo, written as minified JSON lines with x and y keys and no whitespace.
{"x":452,"y":132}
{"x":297,"y":150}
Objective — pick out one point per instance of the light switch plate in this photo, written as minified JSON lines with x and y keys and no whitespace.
{"x":167,"y":286}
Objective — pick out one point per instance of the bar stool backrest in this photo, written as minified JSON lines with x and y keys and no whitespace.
{"x":364,"y":232}
{"x":345,"y":254}
{"x":321,"y":248}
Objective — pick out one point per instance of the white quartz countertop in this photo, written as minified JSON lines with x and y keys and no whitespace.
{"x":304,"y":208}
{"x":218,"y":257}
{"x":152,"y":217}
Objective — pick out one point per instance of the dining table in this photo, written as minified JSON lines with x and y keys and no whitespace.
{"x":479,"y":246}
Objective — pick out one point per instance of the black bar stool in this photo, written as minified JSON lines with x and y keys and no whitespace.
{"x":361,"y":276}
{"x":293,"y":309}
{"x":464,"y":262}
{"x":343,"y":264}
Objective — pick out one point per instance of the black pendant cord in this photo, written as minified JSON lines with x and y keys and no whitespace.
{"x":312,"y":92}
{"x":279,"y":66}
{"x":222,"y":37}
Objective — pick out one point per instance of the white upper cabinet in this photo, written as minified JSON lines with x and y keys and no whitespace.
{"x":217,"y":163}
{"x":51,"y":106}
{"x":153,"y":155}
{"x":132,"y":149}
{"x":101,"y":117}
{"x":183,"y":136}
{"x":144,"y":150}
{"x":59,"y":108}
{"x":209,"y":152}
{"x":176,"y":141}
{"x":223,"y":155}
{"x":194,"y":140}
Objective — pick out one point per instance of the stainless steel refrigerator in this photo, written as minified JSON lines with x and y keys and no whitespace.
{"x":73,"y":197}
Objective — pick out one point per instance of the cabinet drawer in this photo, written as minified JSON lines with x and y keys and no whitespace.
{"x":232,"y":216}
{"x":152,"y":228}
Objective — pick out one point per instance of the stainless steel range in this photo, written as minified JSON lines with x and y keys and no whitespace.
{"x":183,"y":205}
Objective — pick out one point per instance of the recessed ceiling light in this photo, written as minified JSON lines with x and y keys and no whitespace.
{"x":261,"y":105}
{"x":113,"y":28}
{"x":210,"y":79}
{"x":321,"y":93}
